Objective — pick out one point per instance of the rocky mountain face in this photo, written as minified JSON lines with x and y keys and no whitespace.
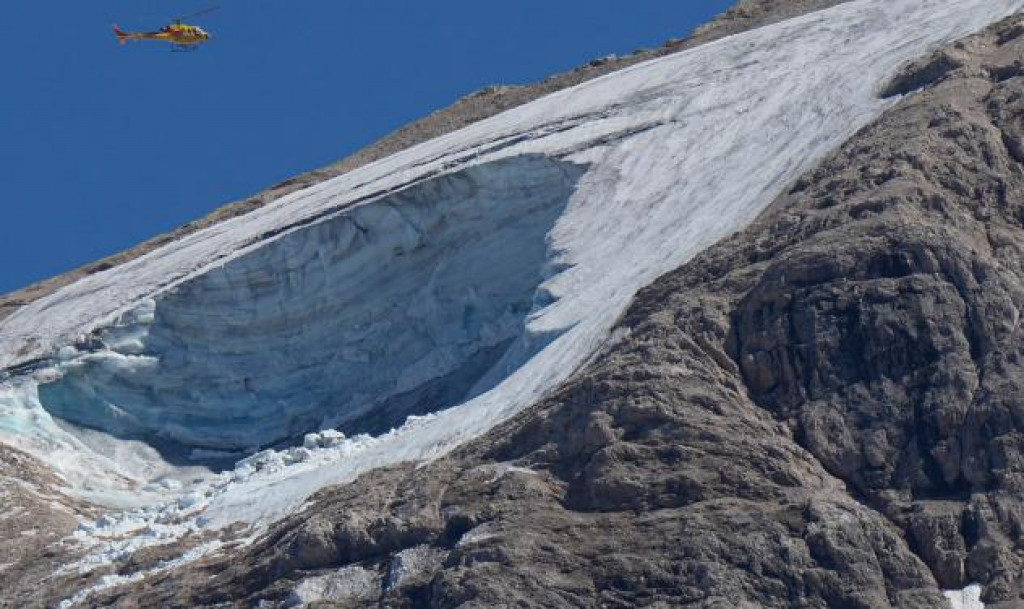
{"x":820,"y":411}
{"x":823,"y":410}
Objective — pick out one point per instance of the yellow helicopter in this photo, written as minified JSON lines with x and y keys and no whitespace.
{"x":181,"y":36}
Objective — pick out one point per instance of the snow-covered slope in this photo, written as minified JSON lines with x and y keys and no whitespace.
{"x":473,"y":273}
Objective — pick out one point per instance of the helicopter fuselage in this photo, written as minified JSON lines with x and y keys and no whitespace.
{"x":177,"y":33}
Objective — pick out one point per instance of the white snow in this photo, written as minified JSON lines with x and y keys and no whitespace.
{"x":568,"y":206}
{"x":968,"y":598}
{"x":413,"y":563}
{"x":110,"y":581}
{"x":477,"y":534}
{"x":349,"y":584}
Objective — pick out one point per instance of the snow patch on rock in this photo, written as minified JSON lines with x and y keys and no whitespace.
{"x":968,"y":598}
{"x":348,"y":584}
{"x":413,"y":566}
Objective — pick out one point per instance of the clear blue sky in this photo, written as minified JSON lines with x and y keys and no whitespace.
{"x":103,"y":146}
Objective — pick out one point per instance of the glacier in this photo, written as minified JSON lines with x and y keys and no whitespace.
{"x":402,"y":304}
{"x":417,"y":302}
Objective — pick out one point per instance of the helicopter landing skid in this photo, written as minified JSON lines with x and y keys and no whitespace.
{"x":184,"y":48}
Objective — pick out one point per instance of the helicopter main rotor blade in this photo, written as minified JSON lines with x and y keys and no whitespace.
{"x":205,"y":11}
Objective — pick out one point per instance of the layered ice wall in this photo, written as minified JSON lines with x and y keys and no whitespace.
{"x":391,"y":308}
{"x":472,"y":273}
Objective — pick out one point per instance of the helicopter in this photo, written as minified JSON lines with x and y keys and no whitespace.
{"x":182,"y":37}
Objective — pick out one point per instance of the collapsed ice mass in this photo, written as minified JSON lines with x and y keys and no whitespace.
{"x":397,"y":307}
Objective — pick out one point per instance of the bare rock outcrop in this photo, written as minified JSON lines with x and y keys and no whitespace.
{"x":35,"y":522}
{"x":884,"y":328}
